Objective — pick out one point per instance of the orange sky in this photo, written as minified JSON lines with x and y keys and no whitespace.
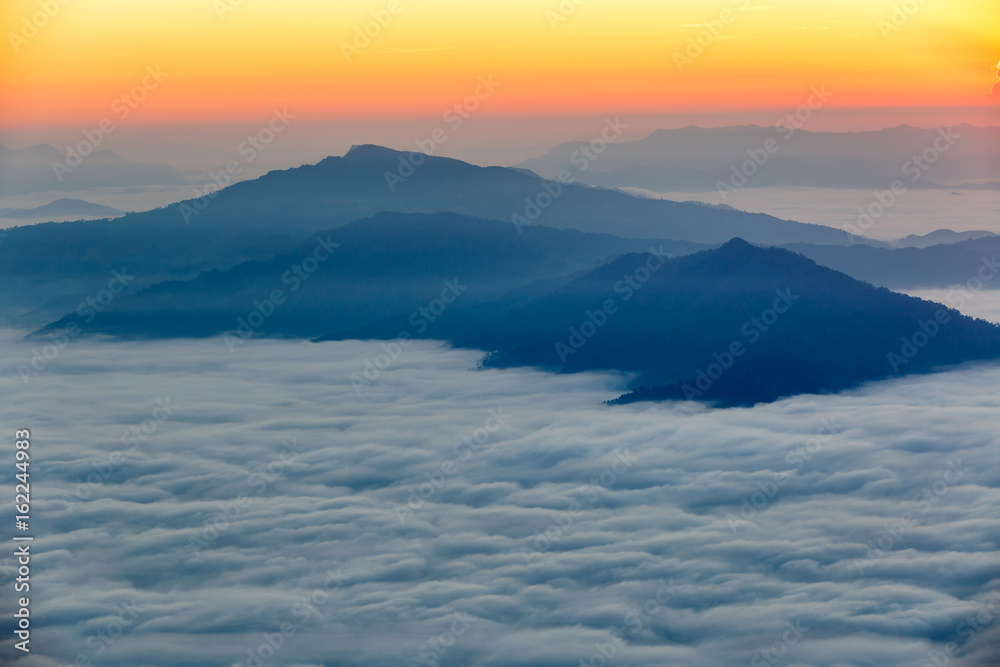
{"x":237,"y":59}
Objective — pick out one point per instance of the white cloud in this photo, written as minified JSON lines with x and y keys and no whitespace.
{"x":477,"y":544}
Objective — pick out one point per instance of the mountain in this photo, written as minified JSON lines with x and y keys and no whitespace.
{"x":736,"y":326}
{"x":939,"y":237}
{"x":31,"y":169}
{"x":371,"y":179}
{"x":389,"y":265}
{"x":695,"y":159}
{"x":44,"y":268}
{"x":63,"y":208}
{"x":937,"y":266}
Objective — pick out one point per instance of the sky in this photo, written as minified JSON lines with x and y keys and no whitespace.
{"x":222,"y":497}
{"x":206,"y":508}
{"x":236,"y":60}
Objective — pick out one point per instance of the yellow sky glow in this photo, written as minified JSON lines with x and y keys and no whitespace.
{"x":228,"y":59}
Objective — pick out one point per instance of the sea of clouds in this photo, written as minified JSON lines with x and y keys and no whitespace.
{"x":197,"y":507}
{"x":915,"y":212}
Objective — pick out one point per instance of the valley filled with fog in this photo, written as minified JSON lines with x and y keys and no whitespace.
{"x":915,"y":212}
{"x":543,"y":333}
{"x":256,"y":504}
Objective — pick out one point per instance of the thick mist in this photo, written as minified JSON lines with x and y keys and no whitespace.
{"x":238,"y":502}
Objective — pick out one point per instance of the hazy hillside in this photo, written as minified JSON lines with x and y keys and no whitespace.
{"x":391,"y":264}
{"x":371,"y":179}
{"x":51,"y":266}
{"x":695,"y":159}
{"x":736,"y":325}
{"x":31,"y":169}
{"x":935,"y":266}
{"x":62,"y":208}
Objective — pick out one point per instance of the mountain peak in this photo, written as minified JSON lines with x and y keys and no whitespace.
{"x":737,"y":248}
{"x":369,"y":152}
{"x":38,"y":151}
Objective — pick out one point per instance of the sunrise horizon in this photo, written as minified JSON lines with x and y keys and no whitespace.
{"x":505,"y":333}
{"x":394,"y":60}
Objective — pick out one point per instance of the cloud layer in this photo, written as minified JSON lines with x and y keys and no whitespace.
{"x":251,"y":508}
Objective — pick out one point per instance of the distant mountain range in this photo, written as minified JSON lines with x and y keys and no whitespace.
{"x":936,"y":266}
{"x":63,"y":208}
{"x":388,"y":265}
{"x":30,"y":169}
{"x":736,"y":325}
{"x":938,"y":237}
{"x":43,"y":268}
{"x":371,"y":179}
{"x":695,"y":159}
{"x":689,"y":317}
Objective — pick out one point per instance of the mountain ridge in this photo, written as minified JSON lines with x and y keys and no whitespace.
{"x":772,"y":322}
{"x":697,"y":159}
{"x":63,"y":207}
{"x":42,"y":267}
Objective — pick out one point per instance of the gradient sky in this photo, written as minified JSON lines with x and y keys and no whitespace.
{"x":605,"y":57}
